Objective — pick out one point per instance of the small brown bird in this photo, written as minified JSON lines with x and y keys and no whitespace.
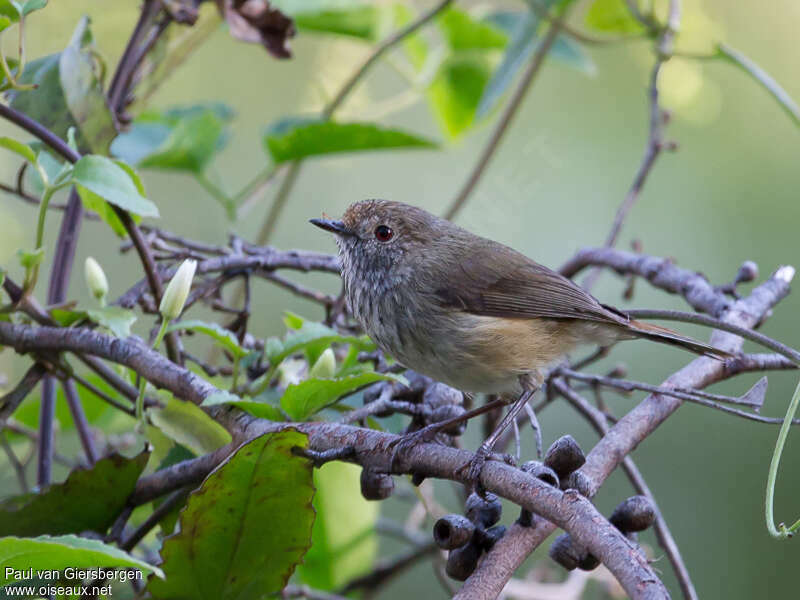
{"x":468,"y":311}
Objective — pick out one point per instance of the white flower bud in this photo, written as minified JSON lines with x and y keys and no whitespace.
{"x":325,"y":366}
{"x":95,"y":279}
{"x":177,"y":291}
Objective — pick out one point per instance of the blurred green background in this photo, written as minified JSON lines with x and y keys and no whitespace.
{"x":728,"y":194}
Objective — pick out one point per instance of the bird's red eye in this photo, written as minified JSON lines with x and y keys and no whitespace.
{"x":383,"y":233}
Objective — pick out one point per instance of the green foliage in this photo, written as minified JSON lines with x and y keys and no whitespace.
{"x":83,"y":93}
{"x":14,"y":9}
{"x":113,"y":183}
{"x":358,"y":21}
{"x":612,"y":16}
{"x":224,"y":337}
{"x":188,"y":425}
{"x":29,"y":259}
{"x":89,"y":500}
{"x":23,"y":150}
{"x":304,"y":399}
{"x":462,"y":32}
{"x":245,"y":529}
{"x":59,"y":552}
{"x":117,"y":319}
{"x":344,"y":540}
{"x":302,"y":139}
{"x":181,"y":139}
{"x":309,"y":337}
{"x":68,"y":93}
{"x":260,"y":409}
{"x":456,"y":91}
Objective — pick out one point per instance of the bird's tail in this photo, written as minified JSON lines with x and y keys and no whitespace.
{"x":667,"y":336}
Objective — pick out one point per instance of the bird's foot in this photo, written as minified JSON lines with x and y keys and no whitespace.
{"x":474,"y":467}
{"x":406,"y":442}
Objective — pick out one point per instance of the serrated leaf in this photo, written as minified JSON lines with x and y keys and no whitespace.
{"x":89,"y":500}
{"x":244,"y":531}
{"x":188,"y":425}
{"x":83,"y":93}
{"x":23,"y":150}
{"x":456,"y":91}
{"x":115,"y":318}
{"x":612,"y":16}
{"x":59,"y":552}
{"x":317,"y":138}
{"x":304,"y":399}
{"x":261,"y":410}
{"x":356,"y":21}
{"x":345,"y":543}
{"x":222,"y":336}
{"x":104,"y":177}
{"x":780,"y":95}
{"x":462,"y":32}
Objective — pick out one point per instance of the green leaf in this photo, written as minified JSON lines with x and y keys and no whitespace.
{"x":261,"y":410}
{"x":83,"y":93}
{"x":104,"y":177}
{"x":317,"y":138}
{"x":95,"y":203}
{"x":25,"y":7}
{"x":310,"y":333}
{"x":244,"y":531}
{"x":357,"y":21}
{"x":462,"y":32}
{"x":9,"y":10}
{"x":59,"y":552}
{"x":781,"y":96}
{"x":182,"y":138}
{"x":188,"y":425}
{"x":115,"y":318}
{"x":222,"y":336}
{"x":457,"y":90}
{"x":523,"y":29}
{"x":90,"y":499}
{"x":415,"y":46}
{"x":571,"y":53}
{"x":65,"y":317}
{"x":23,"y":150}
{"x":308,"y":397}
{"x":344,"y":541}
{"x":5,"y":22}
{"x":30,"y":258}
{"x":612,"y":16}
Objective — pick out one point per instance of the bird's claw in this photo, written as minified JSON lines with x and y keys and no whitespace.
{"x":407,"y":441}
{"x":474,"y":467}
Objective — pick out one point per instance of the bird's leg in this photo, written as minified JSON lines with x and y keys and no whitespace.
{"x":475,"y":465}
{"x":427,"y":434}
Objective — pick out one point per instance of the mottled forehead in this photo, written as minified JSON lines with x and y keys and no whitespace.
{"x":373,"y":212}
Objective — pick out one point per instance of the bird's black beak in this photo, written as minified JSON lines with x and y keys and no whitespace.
{"x":337,"y":227}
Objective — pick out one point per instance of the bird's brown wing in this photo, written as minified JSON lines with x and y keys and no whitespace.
{"x":494,"y":280}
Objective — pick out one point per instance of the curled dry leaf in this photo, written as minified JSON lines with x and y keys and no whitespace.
{"x":255,"y":21}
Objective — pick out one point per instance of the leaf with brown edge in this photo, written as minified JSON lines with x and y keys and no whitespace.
{"x":89,"y":500}
{"x":255,"y":21}
{"x":245,"y":529}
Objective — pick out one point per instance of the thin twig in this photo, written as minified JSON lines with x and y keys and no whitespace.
{"x":655,"y":140}
{"x":79,"y":418}
{"x":535,"y":64}
{"x":19,"y":468}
